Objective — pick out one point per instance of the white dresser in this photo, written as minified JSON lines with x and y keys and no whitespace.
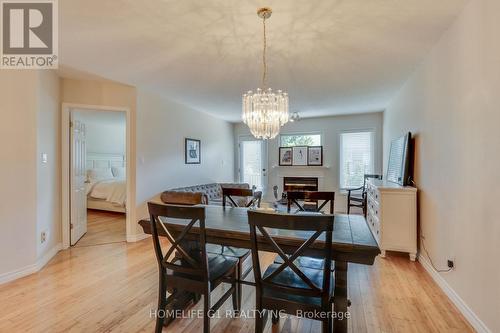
{"x":392,"y":216}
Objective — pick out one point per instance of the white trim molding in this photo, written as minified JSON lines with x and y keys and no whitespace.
{"x":467,"y":312}
{"x":30,"y":269}
{"x":131,"y":223}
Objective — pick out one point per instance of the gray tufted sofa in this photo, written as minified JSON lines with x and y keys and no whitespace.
{"x":211,"y":193}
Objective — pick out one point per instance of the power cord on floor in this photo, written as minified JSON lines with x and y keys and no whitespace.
{"x":430,"y":258}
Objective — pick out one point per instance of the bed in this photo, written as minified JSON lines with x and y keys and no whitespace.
{"x":106,"y":182}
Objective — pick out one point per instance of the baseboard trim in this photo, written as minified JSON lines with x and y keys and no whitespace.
{"x":467,"y":312}
{"x":30,"y":269}
{"x":41,"y":262}
{"x":17,"y":274}
{"x":137,"y":237}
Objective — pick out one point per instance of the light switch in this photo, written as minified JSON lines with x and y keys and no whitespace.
{"x":44,"y":158}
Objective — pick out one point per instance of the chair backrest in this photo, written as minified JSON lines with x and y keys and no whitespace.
{"x":189,"y":261}
{"x":228,"y":193}
{"x":315,"y":224}
{"x":314,"y":196}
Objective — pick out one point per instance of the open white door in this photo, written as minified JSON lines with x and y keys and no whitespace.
{"x":253,"y":162}
{"x":78,"y":195}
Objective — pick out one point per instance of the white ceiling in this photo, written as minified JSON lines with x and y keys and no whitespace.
{"x":331,"y":56}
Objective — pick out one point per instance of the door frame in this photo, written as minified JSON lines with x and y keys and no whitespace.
{"x":265,"y":162}
{"x":65,"y":170}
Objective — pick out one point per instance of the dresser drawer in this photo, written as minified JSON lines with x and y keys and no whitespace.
{"x":374,"y":224}
{"x":374,"y":206}
{"x":374,"y":194}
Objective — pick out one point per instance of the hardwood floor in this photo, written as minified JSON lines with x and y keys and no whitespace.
{"x":103,"y":227}
{"x":113,"y":288}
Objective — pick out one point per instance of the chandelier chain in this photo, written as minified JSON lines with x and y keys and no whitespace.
{"x":264,"y":62}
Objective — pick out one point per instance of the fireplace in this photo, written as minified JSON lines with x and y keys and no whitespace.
{"x":300,"y":184}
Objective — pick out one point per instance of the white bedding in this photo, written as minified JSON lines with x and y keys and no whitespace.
{"x":112,"y":190}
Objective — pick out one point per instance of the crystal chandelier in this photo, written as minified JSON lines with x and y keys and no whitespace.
{"x":265,"y":110}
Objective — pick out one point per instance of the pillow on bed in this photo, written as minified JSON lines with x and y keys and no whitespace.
{"x":119,"y":172}
{"x":97,"y":174}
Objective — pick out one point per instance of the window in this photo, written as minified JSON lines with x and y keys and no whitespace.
{"x":356,"y":158}
{"x":290,"y":140}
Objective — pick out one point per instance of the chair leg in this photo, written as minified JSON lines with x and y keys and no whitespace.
{"x":239,"y":285}
{"x":275,"y":319}
{"x":237,"y":291}
{"x":162,"y":303}
{"x":259,"y":317}
{"x":327,"y":325}
{"x":206,"y":312}
{"x":348,"y":208}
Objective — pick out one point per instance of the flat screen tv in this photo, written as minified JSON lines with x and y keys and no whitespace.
{"x":399,"y":168}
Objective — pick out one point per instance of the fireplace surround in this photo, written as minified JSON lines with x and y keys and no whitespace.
{"x":300,"y":184}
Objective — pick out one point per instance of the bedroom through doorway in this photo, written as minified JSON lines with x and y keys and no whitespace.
{"x":98,"y":177}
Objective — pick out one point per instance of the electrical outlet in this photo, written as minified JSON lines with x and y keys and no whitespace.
{"x":43,"y":237}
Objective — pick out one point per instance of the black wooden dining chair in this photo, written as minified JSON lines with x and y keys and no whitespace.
{"x":186,"y":265}
{"x":311,"y":196}
{"x":295,"y":198}
{"x":191,"y":199}
{"x":242,"y":254}
{"x":228,"y":193}
{"x":289,"y":287}
{"x":356,"y":197}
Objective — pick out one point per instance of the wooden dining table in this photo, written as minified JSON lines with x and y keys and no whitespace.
{"x":353,"y":242}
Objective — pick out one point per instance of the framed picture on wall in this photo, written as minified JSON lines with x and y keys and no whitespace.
{"x":299,"y":156}
{"x":192,"y":151}
{"x":285,"y":155}
{"x":315,"y":155}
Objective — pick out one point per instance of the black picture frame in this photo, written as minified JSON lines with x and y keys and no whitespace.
{"x":285,"y":149}
{"x":315,"y":149}
{"x":192,"y":151}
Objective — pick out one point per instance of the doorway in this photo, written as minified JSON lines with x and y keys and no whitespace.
{"x":253,"y":162}
{"x":96,"y":184}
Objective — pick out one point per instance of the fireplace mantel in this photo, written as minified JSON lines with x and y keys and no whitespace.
{"x":301,"y":167}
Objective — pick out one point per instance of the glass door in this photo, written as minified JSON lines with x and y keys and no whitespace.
{"x":253,"y":162}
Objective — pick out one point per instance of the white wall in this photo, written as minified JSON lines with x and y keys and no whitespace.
{"x":29,"y":191}
{"x":48,"y":174}
{"x":18,"y":180}
{"x":451,"y":104}
{"x":162,"y":126}
{"x":330,"y":128}
{"x":106,"y":131}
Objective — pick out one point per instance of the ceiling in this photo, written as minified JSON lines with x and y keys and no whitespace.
{"x":331,"y":56}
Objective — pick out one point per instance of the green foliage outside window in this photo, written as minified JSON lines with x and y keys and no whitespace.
{"x":300,"y":140}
